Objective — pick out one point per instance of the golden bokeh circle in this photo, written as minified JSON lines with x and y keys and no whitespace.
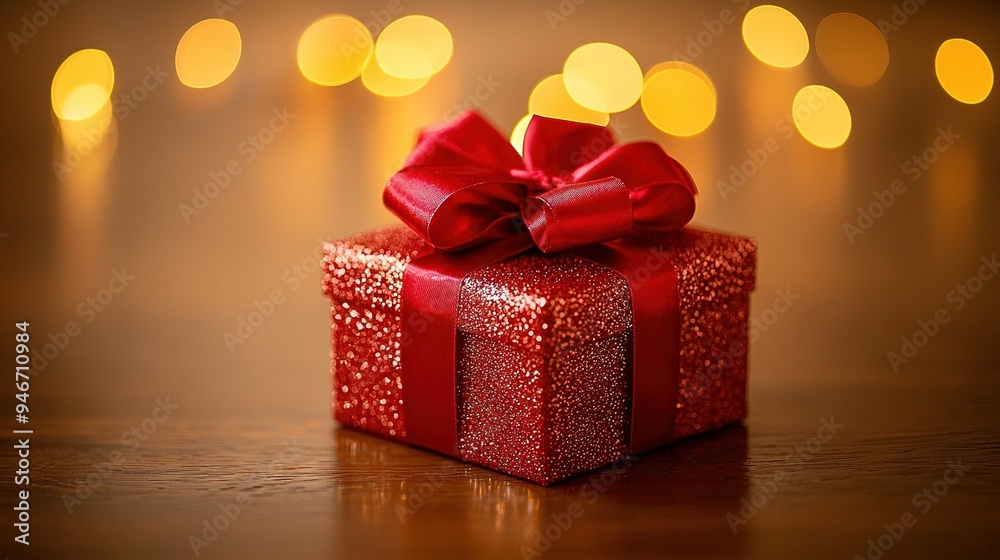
{"x":82,"y":84}
{"x":964,"y":70}
{"x":775,"y":36}
{"x":208,"y":53}
{"x":821,"y":116}
{"x":603,"y":77}
{"x":414,"y":47}
{"x":679,"y":99}
{"x":334,"y":50}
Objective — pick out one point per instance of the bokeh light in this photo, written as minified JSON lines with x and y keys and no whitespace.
{"x":679,"y":98}
{"x":414,"y":47}
{"x":334,"y":50}
{"x":517,"y":135}
{"x":208,"y":53}
{"x":380,"y":83}
{"x":964,"y":70}
{"x":550,"y":99}
{"x":821,"y":116}
{"x":603,"y":77}
{"x":775,"y":36}
{"x":852,"y":49}
{"x":82,"y":84}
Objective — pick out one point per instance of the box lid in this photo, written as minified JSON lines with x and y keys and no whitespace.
{"x":533,"y":297}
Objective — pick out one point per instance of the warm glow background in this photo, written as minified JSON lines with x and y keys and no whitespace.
{"x":321,"y":176}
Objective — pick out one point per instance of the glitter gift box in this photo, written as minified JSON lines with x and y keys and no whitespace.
{"x":544,"y":348}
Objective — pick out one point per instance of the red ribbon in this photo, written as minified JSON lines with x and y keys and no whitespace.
{"x":468,"y":193}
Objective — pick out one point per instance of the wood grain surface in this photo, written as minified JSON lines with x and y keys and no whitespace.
{"x":307,"y":489}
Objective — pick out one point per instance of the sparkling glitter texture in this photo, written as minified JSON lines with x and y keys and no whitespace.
{"x":544,"y":355}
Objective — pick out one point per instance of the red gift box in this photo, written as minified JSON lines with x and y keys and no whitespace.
{"x":539,"y":364}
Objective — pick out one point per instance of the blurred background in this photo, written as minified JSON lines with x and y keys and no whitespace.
{"x":164,"y":199}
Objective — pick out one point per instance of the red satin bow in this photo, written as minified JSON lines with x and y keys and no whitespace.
{"x":465,"y":186}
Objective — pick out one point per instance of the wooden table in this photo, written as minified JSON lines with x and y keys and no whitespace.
{"x":775,"y":488}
